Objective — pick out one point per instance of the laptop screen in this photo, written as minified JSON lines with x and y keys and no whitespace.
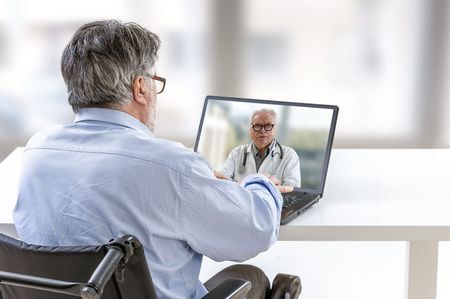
{"x":302,"y":136}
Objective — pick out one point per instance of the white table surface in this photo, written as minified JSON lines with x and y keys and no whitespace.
{"x":380,"y":195}
{"x":9,"y":176}
{"x":370,"y":195}
{"x":385,"y":195}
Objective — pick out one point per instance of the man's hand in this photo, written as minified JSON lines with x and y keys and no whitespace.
{"x":285,"y":189}
{"x":221,"y":176}
{"x":277,"y":182}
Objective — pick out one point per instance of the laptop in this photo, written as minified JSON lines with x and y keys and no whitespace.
{"x":307,"y":129}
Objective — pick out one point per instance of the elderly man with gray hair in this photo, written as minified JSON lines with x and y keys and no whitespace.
{"x":106,"y":175}
{"x":264,"y":155}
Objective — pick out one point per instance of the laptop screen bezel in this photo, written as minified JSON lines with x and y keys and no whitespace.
{"x":331,"y":133}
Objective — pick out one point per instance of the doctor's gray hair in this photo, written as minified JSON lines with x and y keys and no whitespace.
{"x":262,"y":110}
{"x":103,"y":58}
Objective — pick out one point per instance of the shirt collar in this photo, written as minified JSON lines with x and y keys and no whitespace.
{"x":112,"y":116}
{"x":266,"y":152}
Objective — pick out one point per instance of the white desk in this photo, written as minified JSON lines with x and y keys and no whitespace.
{"x":385,"y":195}
{"x":9,"y":176}
{"x":370,"y":195}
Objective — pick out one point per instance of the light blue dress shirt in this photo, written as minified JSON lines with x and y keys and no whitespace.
{"x":106,"y":175}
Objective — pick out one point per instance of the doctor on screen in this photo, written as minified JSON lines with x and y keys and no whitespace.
{"x":263,"y":155}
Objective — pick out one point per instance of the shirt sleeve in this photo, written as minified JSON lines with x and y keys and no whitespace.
{"x":228,"y":221}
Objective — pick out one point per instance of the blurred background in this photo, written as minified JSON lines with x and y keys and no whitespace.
{"x":385,"y":63}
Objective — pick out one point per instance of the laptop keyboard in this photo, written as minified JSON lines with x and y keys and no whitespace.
{"x":295,"y":203}
{"x":290,"y":199}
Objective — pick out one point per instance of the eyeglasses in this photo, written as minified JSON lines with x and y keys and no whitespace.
{"x":258,"y":127}
{"x":160,"y":83}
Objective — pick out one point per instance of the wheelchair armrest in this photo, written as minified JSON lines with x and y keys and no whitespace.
{"x":285,"y":286}
{"x":230,"y":289}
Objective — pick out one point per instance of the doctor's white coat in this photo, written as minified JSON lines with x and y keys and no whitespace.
{"x":286,"y":169}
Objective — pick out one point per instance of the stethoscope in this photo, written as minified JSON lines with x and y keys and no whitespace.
{"x":246,"y":150}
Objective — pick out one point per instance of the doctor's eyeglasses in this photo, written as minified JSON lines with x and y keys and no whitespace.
{"x":160,"y":83}
{"x":267,"y":127}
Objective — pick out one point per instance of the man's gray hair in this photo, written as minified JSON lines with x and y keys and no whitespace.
{"x":262,"y":110}
{"x":102,"y":59}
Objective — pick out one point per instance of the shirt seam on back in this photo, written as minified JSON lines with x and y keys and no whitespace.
{"x":110,"y":152}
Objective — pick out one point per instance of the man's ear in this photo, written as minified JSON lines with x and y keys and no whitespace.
{"x":140,"y":88}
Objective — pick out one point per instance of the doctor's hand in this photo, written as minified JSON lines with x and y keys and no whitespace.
{"x":221,"y":176}
{"x":277,"y":182}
